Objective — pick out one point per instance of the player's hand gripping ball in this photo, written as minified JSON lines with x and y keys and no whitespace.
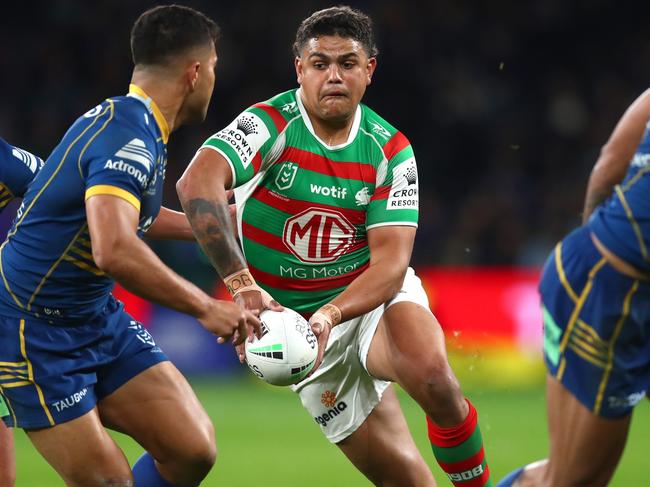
{"x":286,"y":352}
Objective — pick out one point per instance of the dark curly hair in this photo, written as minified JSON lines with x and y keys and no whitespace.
{"x":168,"y":30}
{"x":342,"y":21}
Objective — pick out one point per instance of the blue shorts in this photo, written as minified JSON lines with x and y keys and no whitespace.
{"x":596,"y":327}
{"x":50,"y":374}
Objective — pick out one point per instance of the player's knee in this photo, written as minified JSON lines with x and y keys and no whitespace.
{"x":439,"y":380}
{"x":200,"y":454}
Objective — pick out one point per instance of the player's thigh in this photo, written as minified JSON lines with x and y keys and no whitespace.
{"x":585,"y":448}
{"x":383,"y":449}
{"x":7,"y":456}
{"x":82,"y":452}
{"x":409,"y":348}
{"x":159,"y":409}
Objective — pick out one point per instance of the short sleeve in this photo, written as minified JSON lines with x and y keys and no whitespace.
{"x":395,"y":200}
{"x":121,"y":169}
{"x":247,"y":141}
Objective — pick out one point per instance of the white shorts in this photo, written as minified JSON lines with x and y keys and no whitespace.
{"x":341,"y":393}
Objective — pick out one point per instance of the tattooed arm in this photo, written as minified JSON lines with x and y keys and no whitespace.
{"x":202,"y":192}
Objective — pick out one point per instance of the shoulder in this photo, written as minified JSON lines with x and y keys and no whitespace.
{"x":279,"y":110}
{"x":387,"y":136}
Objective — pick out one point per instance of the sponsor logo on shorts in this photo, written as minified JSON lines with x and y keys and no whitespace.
{"x":619,"y":402}
{"x":70,"y":401}
{"x":328,"y":399}
{"x":141,"y":333}
{"x":467,"y":474}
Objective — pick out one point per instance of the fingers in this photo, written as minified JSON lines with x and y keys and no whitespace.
{"x":275,"y":306}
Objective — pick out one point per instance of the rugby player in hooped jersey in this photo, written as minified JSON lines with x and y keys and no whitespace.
{"x":73,"y":360}
{"x":327,"y":212}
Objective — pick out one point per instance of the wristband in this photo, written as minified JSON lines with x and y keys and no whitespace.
{"x":240,"y":281}
{"x":332,"y":312}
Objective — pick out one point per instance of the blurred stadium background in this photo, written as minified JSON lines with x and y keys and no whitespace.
{"x":507,"y":105}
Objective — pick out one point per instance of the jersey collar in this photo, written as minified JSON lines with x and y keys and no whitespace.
{"x":353,"y":131}
{"x":136,"y":92}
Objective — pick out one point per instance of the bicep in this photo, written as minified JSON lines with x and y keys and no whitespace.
{"x":391,"y":245}
{"x":111,"y":219}
{"x":208,"y":175}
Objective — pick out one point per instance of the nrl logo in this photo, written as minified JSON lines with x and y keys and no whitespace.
{"x":247,"y":125}
{"x":380,"y":130}
{"x":286,"y":175}
{"x":289,"y":107}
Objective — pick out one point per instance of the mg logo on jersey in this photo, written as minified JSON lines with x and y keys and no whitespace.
{"x":318,"y":235}
{"x":380,"y":130}
{"x":286,"y":175}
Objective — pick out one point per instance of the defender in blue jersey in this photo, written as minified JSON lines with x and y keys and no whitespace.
{"x":595,"y":292}
{"x":73,"y":360}
{"x":17,"y":169}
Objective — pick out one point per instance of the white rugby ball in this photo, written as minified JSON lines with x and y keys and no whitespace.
{"x":287,"y":350}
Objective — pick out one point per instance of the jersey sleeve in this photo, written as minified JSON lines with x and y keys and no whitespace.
{"x":17,"y":170}
{"x":120,"y":163}
{"x":395,"y":200}
{"x":247,"y":141}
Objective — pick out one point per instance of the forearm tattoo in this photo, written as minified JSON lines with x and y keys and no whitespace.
{"x":210,"y":221}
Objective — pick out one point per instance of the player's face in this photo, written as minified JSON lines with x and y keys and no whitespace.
{"x":333,"y":73}
{"x":198,"y":100}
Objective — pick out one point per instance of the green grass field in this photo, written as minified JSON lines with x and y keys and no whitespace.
{"x":266,"y":438}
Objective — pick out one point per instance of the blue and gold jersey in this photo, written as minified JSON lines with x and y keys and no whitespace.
{"x":117,"y":148}
{"x":622,"y":223}
{"x":17,"y":169}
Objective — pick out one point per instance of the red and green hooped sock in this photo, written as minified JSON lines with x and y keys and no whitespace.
{"x":459,"y":451}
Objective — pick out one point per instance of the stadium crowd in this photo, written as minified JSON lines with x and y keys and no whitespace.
{"x":506,"y":104}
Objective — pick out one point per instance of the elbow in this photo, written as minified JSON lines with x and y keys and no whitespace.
{"x":184,"y":187}
{"x":108,"y":260}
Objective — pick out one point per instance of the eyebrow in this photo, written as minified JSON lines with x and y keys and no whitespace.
{"x":347,"y":55}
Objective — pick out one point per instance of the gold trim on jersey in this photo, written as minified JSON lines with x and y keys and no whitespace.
{"x":90,"y":140}
{"x":559,"y":267}
{"x":108,"y":108}
{"x":80,"y":255}
{"x":633,"y":222}
{"x":52,"y":268}
{"x":30,"y":372}
{"x":157,"y":114}
{"x":113,"y":191}
{"x":612,"y":343}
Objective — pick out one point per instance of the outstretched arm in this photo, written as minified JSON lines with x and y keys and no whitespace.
{"x":616,"y":154}
{"x":170,"y":225}
{"x":203,"y":194}
{"x":119,"y":252}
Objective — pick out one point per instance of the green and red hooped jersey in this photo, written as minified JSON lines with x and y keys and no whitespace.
{"x":304,"y":207}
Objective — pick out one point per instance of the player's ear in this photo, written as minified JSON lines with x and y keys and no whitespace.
{"x":370,"y":69}
{"x":192,"y":74}
{"x":298,"y":64}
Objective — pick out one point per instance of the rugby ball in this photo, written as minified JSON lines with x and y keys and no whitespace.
{"x":286,"y":351}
